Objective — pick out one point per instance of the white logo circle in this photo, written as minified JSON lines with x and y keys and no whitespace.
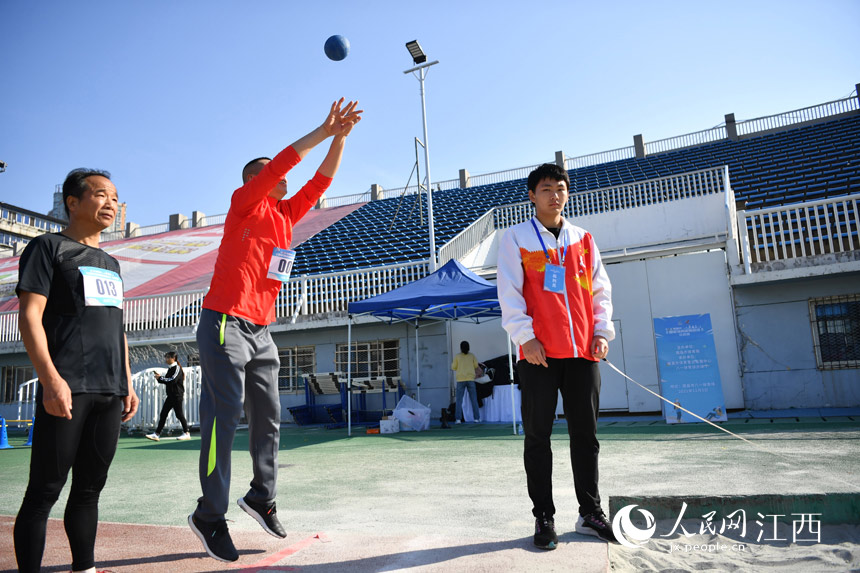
{"x":624,"y":529}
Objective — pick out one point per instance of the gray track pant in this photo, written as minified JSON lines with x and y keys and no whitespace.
{"x":239,"y":363}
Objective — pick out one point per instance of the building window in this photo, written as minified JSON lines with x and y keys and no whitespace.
{"x":836,"y":331}
{"x":369,"y":359}
{"x":295,"y":361}
{"x":10,"y":378}
{"x":193,"y":360}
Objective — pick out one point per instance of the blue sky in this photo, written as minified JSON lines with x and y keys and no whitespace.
{"x":174,"y":97}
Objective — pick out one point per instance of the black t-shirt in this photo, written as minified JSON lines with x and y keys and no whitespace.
{"x":85,"y":342}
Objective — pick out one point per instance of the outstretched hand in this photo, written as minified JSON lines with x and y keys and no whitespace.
{"x":341,"y":120}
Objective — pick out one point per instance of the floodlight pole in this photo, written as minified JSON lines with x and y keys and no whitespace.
{"x":422,"y":73}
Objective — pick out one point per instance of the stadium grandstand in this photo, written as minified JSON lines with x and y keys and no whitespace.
{"x":754,"y":222}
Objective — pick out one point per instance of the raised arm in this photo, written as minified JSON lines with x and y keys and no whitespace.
{"x":339,"y":121}
{"x":56,"y":394}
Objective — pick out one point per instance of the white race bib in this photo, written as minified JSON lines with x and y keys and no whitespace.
{"x":281,"y":264}
{"x":101,"y":287}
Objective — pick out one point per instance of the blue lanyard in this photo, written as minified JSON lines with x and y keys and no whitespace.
{"x":562,"y":247}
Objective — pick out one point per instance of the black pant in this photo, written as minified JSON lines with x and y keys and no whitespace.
{"x":172,"y":403}
{"x":86,"y":443}
{"x":579,"y":382}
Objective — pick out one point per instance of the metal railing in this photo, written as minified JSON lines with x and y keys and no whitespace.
{"x":501,"y":176}
{"x":209,"y":220}
{"x":413,"y":189}
{"x":9,"y":326}
{"x":811,"y":113}
{"x":602,"y":157}
{"x":27,"y":400}
{"x":152,"y":230}
{"x":802,"y":230}
{"x":342,"y":200}
{"x":111,"y":236}
{"x":174,"y":310}
{"x":686,"y":140}
{"x":467,"y":239}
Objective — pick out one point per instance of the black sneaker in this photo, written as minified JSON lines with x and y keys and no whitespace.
{"x":545,"y":537}
{"x":215,"y":537}
{"x":595,"y":523}
{"x":265,"y":514}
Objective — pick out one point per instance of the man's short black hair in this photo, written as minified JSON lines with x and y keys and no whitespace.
{"x":76,"y":183}
{"x":250,"y":163}
{"x":170,"y":354}
{"x":549,"y":171}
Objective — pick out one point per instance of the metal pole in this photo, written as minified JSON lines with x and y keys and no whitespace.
{"x":349,"y":375}
{"x":417,"y":363}
{"x":422,"y":73}
{"x":513,"y":386}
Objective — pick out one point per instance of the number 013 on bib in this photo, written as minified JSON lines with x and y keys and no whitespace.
{"x":101,"y":287}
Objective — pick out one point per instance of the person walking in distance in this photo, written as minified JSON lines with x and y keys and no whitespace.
{"x":174,"y":381}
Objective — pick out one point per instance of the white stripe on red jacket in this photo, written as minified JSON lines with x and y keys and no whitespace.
{"x":565,"y":328}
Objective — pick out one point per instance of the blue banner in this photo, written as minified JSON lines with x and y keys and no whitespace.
{"x":687,"y":365}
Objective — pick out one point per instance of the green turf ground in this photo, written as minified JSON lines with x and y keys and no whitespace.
{"x":469,"y":477}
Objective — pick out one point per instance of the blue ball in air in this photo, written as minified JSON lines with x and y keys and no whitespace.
{"x":336,"y":48}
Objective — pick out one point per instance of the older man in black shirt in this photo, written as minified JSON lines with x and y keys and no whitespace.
{"x":71,"y":323}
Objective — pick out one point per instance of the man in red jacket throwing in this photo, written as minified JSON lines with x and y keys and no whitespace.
{"x":238,"y":358}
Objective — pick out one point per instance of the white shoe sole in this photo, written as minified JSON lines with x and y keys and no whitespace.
{"x":257,"y":517}
{"x":199,"y":535}
{"x":583,"y":529}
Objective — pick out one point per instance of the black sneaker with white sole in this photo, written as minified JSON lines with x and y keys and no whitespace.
{"x":545,"y":537}
{"x":596,"y":524}
{"x":266,"y":515}
{"x":215,"y":537}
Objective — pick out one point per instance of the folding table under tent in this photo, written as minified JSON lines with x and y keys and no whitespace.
{"x":452,"y":292}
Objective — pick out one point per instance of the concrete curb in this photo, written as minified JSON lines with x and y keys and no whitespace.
{"x":834,"y":508}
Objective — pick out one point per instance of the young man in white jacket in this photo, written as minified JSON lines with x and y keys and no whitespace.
{"x":556,"y":305}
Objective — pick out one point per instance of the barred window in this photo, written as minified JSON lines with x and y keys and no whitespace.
{"x":193,"y":360}
{"x":295,"y":361}
{"x":375,"y":358}
{"x":836,"y":331}
{"x":10,"y":378}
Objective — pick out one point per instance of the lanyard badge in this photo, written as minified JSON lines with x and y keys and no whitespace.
{"x":553,"y":280}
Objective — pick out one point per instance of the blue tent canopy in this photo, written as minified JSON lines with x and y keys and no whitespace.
{"x":453,"y":292}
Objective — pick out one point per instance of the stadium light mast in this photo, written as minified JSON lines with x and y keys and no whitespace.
{"x":419,"y":58}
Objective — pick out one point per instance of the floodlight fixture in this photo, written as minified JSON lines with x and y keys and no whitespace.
{"x":418,"y":55}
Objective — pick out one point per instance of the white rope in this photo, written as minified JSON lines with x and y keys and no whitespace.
{"x":753,"y":444}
